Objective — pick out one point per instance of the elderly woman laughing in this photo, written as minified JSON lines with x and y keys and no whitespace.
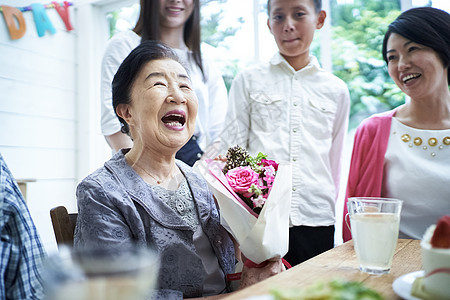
{"x":143,"y":196}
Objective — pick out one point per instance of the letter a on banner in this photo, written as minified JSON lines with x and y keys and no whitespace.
{"x":64,"y":13}
{"x":9,"y":13}
{"x":41,"y":19}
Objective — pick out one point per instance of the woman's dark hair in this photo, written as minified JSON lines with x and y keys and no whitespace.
{"x":317,"y":6}
{"x":148,"y":27}
{"x":130,"y":68}
{"x":427,"y":26}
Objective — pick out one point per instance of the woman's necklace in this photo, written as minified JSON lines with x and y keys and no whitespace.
{"x":158,"y":181}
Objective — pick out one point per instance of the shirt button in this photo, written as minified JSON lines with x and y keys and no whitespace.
{"x":295,"y":104}
{"x":294,"y":189}
{"x":294,"y":130}
{"x":294,"y":159}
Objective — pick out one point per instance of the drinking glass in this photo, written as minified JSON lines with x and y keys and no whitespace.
{"x":374,"y":226}
{"x":101,"y":274}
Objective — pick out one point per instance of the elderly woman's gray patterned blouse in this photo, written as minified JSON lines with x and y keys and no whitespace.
{"x":117,"y":208}
{"x":181,"y":202}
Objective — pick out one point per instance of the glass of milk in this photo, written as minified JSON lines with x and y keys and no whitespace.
{"x":374,"y":226}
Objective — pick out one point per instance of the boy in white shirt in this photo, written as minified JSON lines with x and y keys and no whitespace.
{"x":292,"y":110}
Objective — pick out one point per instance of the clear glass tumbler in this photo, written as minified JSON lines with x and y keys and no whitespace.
{"x":374,"y":226}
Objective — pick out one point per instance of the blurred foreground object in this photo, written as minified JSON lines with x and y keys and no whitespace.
{"x":335,"y":289}
{"x":21,"y":250}
{"x":101,"y":274}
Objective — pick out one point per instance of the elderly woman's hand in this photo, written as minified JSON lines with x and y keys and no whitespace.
{"x":253,"y":275}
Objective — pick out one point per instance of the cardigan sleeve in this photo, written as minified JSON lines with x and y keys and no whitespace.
{"x":99,"y":223}
{"x":367,"y":163}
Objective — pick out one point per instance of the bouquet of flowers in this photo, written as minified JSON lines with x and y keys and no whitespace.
{"x":254,"y":197}
{"x":251,"y":178}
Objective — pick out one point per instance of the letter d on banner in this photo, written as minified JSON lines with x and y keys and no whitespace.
{"x":41,"y":19}
{"x":9,"y":13}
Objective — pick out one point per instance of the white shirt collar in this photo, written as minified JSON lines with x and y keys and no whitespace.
{"x":278,"y":59}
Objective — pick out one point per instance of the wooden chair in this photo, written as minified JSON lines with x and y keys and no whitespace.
{"x":63,"y":225}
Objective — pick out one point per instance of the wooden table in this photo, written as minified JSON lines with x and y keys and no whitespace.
{"x":341,"y":262}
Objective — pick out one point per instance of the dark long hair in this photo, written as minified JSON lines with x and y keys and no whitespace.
{"x":130,"y":68}
{"x":147,"y":26}
{"x":427,"y":26}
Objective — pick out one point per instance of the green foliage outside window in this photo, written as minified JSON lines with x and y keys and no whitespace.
{"x":358,"y":61}
{"x":212,"y":36}
{"x":112,"y":20}
{"x":357,"y":37}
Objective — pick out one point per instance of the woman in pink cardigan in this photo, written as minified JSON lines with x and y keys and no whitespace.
{"x":405,"y":153}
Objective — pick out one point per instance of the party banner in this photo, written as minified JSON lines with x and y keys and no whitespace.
{"x":15,"y":22}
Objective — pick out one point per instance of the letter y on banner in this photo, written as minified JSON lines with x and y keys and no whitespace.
{"x":64,"y":13}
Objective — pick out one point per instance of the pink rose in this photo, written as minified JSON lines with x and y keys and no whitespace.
{"x":241,"y":179}
{"x":268,"y":162}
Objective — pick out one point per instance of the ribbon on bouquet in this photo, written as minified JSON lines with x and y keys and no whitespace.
{"x":250,"y":264}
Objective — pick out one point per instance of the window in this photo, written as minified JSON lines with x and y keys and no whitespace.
{"x":235,"y":35}
{"x":122,"y":19}
{"x":358,"y":28}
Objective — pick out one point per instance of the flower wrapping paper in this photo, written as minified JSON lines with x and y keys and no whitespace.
{"x":260,"y":237}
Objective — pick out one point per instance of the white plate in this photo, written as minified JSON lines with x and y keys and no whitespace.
{"x":403,"y":284}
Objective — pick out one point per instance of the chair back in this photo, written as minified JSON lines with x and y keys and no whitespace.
{"x":63,"y":225}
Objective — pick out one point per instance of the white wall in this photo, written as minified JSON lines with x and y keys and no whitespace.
{"x":48,"y":112}
{"x":37,"y":115}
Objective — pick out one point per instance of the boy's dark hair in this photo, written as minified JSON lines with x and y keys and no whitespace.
{"x":131,"y":67}
{"x":147,"y":26}
{"x":317,"y":6}
{"x":427,"y":26}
